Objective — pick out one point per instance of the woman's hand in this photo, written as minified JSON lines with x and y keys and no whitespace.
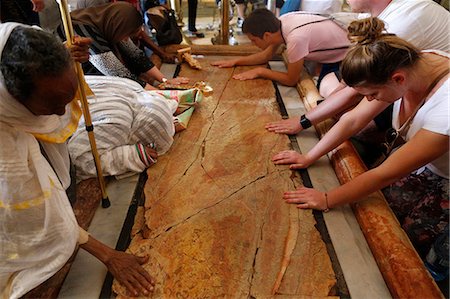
{"x":297,"y":160}
{"x":178,"y":80}
{"x":151,"y":152}
{"x":80,"y":49}
{"x":287,"y":126}
{"x":307,"y":198}
{"x":127,"y":269}
{"x":248,"y":75}
{"x":224,"y":63}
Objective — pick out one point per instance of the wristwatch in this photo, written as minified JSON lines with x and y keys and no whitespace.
{"x":304,"y":122}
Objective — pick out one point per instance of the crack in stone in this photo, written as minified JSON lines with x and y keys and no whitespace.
{"x":253,"y":272}
{"x":202,"y":148}
{"x":263,"y":223}
{"x":208,"y":207}
{"x":163,"y":196}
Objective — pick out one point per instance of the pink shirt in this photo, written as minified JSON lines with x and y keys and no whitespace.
{"x":323,"y":42}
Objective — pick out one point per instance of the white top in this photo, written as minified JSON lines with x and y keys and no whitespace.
{"x":322,"y":6}
{"x":423,"y":23}
{"x":432,"y":116}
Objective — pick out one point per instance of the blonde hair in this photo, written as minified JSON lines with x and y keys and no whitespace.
{"x":375,"y":54}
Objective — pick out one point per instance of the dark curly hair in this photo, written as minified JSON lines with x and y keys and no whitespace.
{"x":28,"y":54}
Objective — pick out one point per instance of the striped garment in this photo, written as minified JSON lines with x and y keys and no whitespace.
{"x":126,"y":118}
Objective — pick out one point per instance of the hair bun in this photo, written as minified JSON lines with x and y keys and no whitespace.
{"x":365,"y":31}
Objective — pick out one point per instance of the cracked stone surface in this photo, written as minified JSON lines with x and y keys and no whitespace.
{"x":214,"y":222}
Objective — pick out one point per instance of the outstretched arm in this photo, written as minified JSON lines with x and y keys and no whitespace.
{"x":289,"y":78}
{"x":155,"y":74}
{"x":402,"y":162}
{"x":334,"y":104}
{"x":254,"y":59}
{"x":349,"y":124}
{"x":148,"y":42}
{"x":126,"y":268}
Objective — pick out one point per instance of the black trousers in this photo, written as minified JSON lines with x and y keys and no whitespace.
{"x":192,"y":14}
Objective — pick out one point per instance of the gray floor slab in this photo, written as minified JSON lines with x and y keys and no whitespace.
{"x":86,"y":276}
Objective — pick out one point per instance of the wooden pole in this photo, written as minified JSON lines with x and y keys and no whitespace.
{"x":67,"y":22}
{"x":225,"y":25}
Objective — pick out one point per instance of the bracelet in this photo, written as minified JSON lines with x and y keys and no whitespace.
{"x":304,"y":122}
{"x":327,"y":209}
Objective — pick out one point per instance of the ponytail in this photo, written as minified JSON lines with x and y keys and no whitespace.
{"x":375,"y":54}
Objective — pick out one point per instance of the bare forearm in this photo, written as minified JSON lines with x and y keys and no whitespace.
{"x":280,"y":77}
{"x":97,"y":249}
{"x":257,"y":58}
{"x":334,"y":104}
{"x":358,"y":188}
{"x":399,"y":164}
{"x":349,"y":124}
{"x":147,"y":41}
{"x":152,"y":74}
{"x":341,"y":131}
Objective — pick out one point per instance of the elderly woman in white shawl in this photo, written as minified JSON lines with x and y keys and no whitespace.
{"x":38,"y":230}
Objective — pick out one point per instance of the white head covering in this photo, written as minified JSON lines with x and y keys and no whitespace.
{"x":38,"y":230}
{"x":51,"y":128}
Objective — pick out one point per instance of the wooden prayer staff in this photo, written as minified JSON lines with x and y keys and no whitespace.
{"x":67,"y":22}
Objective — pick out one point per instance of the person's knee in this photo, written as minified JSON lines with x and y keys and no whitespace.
{"x":329,"y":85}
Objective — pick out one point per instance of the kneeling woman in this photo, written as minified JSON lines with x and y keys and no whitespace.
{"x":111,"y":27}
{"x":132,"y":126}
{"x":387,"y":69}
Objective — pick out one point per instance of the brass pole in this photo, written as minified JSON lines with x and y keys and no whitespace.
{"x":67,"y":22}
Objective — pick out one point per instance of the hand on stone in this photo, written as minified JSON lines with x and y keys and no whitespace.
{"x":248,"y":75}
{"x":151,"y":152}
{"x":306,"y":198}
{"x":178,"y":80}
{"x":224,"y":63}
{"x":287,"y":126}
{"x":127,"y":269}
{"x":295,"y":159}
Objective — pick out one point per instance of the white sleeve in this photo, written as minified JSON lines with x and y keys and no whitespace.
{"x":437,"y":117}
{"x":121,"y":160}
